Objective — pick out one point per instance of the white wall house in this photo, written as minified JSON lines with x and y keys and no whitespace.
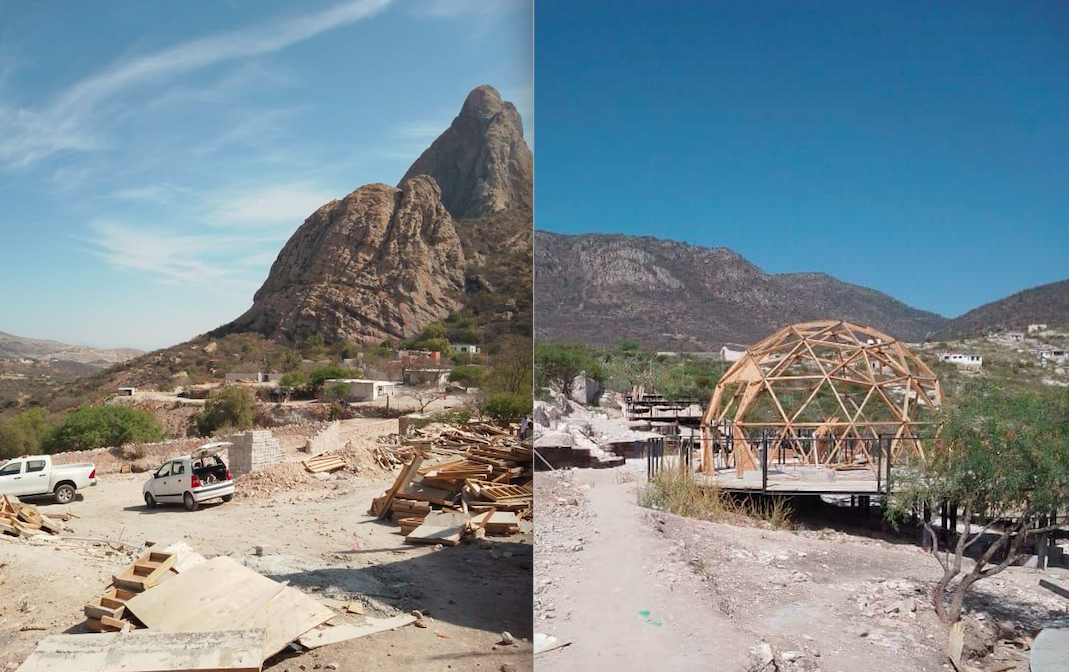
{"x":1054,"y":355}
{"x":962,"y":359}
{"x":361,"y":389}
{"x":1015,"y":336}
{"x":466,"y":348}
{"x":1036,"y":328}
{"x":729,"y":355}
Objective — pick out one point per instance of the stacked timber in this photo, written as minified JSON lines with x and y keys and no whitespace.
{"x":481,"y":484}
{"x":19,"y":519}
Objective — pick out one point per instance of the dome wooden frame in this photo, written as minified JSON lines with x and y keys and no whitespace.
{"x":851,"y":362}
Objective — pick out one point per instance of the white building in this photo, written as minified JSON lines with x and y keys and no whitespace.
{"x":1015,"y":336}
{"x":1054,"y":355}
{"x":465,"y":348}
{"x":126,"y":391}
{"x":730,"y":355}
{"x":962,"y":359}
{"x":1036,"y":328}
{"x":361,"y":389}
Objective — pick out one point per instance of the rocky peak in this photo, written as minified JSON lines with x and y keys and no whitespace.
{"x":481,"y":162}
{"x":380,"y":263}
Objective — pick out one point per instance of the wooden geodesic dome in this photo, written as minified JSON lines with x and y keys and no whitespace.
{"x":826,"y":393}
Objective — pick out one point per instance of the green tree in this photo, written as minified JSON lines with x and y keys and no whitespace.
{"x":90,"y":427}
{"x":232,"y":407}
{"x":468,"y":376}
{"x":294,"y":381}
{"x":437,"y":344}
{"x":1004,"y":460}
{"x":556,"y":365}
{"x":336,"y":392}
{"x":504,"y":408}
{"x":24,"y":434}
{"x":321,"y":375}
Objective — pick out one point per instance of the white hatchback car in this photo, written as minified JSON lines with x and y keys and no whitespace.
{"x":191,"y":479}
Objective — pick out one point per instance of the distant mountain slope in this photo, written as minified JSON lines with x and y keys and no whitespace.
{"x":675,"y":296}
{"x":1046,"y":304}
{"x":17,"y":347}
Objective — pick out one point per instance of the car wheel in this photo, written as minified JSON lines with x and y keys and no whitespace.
{"x":64,"y":494}
{"x":150,"y":501}
{"x":227,"y":498}
{"x":190,"y":502}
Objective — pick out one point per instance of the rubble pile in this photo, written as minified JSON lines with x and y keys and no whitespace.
{"x":570,"y":434}
{"x":18,"y":519}
{"x":480,"y":484}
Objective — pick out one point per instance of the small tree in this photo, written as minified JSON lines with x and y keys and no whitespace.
{"x":468,"y":376}
{"x":336,"y":392}
{"x":558,"y":365}
{"x":1004,"y":459}
{"x":294,"y":381}
{"x":422,"y":396}
{"x":504,"y":408}
{"x":91,"y":427}
{"x":318,"y":377}
{"x":232,"y":407}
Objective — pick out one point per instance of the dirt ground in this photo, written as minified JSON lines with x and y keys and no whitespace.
{"x":632,"y":588}
{"x":319,"y":539}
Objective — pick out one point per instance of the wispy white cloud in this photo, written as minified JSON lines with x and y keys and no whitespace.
{"x":29,"y":135}
{"x":159,"y":194}
{"x":195,"y":261}
{"x":284,"y":204}
{"x":450,"y":8}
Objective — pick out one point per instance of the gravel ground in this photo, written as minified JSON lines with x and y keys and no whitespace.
{"x":701,"y":595}
{"x":319,"y":539}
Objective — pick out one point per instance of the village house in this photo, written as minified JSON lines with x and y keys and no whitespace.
{"x":361,"y":389}
{"x":962,"y":359}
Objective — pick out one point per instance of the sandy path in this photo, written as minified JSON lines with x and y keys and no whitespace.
{"x":615,"y":601}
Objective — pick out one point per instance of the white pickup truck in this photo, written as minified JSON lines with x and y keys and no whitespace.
{"x":191,"y":479}
{"x":31,"y":475}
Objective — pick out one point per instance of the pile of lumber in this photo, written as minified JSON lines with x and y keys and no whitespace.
{"x":19,"y":519}
{"x":108,"y":612}
{"x":483,"y":475}
{"x":324,"y":463}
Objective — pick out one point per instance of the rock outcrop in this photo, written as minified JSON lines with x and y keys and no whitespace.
{"x":383,"y":262}
{"x":481,"y":161}
{"x":378,"y":264}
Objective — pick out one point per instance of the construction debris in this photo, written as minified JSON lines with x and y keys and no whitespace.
{"x":144,"y":651}
{"x":481,"y":485}
{"x":324,"y":463}
{"x":108,"y":613}
{"x":220,"y":594}
{"x":24,"y":520}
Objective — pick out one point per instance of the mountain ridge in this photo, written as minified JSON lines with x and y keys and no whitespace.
{"x":20,"y":347}
{"x":667,"y":294}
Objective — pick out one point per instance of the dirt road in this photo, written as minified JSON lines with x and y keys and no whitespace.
{"x":633,"y":588}
{"x":320,"y":540}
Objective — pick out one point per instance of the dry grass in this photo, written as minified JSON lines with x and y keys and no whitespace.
{"x":675,"y":491}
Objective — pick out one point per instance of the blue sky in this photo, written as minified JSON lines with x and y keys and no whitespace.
{"x":918,"y":148}
{"x":155,"y":157}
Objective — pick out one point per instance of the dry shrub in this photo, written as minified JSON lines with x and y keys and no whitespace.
{"x":675,"y":490}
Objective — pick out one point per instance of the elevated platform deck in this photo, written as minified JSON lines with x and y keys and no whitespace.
{"x":799,"y":480}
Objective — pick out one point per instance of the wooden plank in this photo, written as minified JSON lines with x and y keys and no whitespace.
{"x":146,"y":572}
{"x":217,"y":592}
{"x":440,"y":527}
{"x":381,"y":506}
{"x":346,"y":631}
{"x":147,"y":651}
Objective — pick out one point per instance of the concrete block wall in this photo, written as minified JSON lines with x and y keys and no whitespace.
{"x":252,"y":451}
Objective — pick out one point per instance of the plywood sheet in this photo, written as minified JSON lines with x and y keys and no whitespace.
{"x":222,"y":594}
{"x":147,"y":651}
{"x":346,"y":631}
